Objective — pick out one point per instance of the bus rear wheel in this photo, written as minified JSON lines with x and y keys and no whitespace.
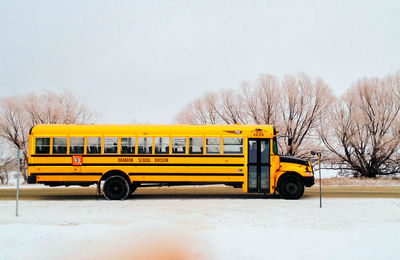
{"x":116,"y":188}
{"x":291,"y":188}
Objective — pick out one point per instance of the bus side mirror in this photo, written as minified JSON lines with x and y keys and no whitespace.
{"x":290,"y":141}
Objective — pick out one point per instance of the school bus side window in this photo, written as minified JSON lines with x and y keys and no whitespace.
{"x":145,"y":145}
{"x":93,"y":145}
{"x":60,"y":145}
{"x":128,"y":145}
{"x":196,"y":145}
{"x":76,"y":145}
{"x":179,"y":145}
{"x":213,"y":145}
{"x":42,"y":145}
{"x":110,"y":144}
{"x":161,"y":145}
{"x":233,"y":145}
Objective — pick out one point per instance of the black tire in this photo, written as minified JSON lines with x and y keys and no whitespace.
{"x":116,"y":188}
{"x":291,"y":188}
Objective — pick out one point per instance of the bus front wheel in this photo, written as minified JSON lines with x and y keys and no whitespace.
{"x":116,"y":188}
{"x":291,"y":188}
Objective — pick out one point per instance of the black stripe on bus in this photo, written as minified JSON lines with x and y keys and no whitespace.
{"x":69,"y":173}
{"x":141,"y":155}
{"x":192,"y":182}
{"x":135,"y":164}
{"x":186,"y":174}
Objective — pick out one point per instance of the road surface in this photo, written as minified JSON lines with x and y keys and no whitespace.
{"x":79,"y":193}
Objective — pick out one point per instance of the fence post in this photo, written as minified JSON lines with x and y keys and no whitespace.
{"x":320,"y":182}
{"x":18,"y":173}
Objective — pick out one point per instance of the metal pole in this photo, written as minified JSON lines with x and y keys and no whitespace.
{"x":320,"y":183}
{"x":18,"y":172}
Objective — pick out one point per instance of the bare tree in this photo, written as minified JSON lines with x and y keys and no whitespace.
{"x":7,"y":164}
{"x":19,"y":114}
{"x":251,"y":102}
{"x":210,"y":101}
{"x":194,"y":113}
{"x":261,"y":101}
{"x":186,"y":115}
{"x":14,"y":125}
{"x":304,"y":103}
{"x":203,"y":110}
{"x":231,"y":107}
{"x":268,"y":93}
{"x":214,"y":108}
{"x":52,"y":108}
{"x":363,"y":130}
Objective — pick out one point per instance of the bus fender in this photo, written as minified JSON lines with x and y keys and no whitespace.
{"x":113,"y":173}
{"x":286,"y":174}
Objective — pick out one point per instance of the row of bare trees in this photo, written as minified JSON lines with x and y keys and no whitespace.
{"x":358,"y":133}
{"x":362,"y":130}
{"x":294,"y":105}
{"x":18,"y":114}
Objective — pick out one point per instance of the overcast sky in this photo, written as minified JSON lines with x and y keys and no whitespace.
{"x":145,"y":60}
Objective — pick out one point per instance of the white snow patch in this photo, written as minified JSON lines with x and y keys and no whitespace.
{"x":201,"y":229}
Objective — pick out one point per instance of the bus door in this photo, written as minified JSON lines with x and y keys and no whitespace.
{"x":258,"y":165}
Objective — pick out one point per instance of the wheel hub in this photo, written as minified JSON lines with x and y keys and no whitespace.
{"x":291,"y":188}
{"x":116,"y":188}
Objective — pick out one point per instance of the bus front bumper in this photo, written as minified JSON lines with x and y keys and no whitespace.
{"x":31,"y":179}
{"x":308,"y":181}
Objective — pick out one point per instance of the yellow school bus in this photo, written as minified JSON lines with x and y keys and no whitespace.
{"x":124,"y":157}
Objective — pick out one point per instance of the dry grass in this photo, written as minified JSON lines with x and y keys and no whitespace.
{"x":348,"y":181}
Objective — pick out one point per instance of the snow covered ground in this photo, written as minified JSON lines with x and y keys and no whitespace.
{"x":201,"y":228}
